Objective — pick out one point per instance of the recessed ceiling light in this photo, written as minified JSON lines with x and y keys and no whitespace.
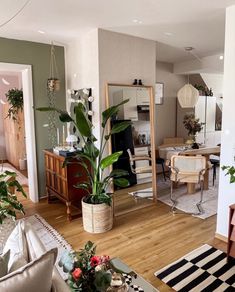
{"x":221,"y":57}
{"x":168,"y":33}
{"x":2,"y":101}
{"x":137,"y":21}
{"x":4,"y":81}
{"x":41,"y":31}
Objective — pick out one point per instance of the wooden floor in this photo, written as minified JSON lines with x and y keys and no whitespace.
{"x":146,"y":239}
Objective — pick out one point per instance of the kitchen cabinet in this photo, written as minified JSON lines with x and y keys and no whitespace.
{"x":205,"y":110}
{"x":128,"y":111}
{"x":136,"y":96}
{"x":142,"y":96}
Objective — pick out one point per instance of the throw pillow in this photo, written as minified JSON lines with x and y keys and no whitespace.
{"x":17,"y":244}
{"x":36,"y":276}
{"x":4,"y":259}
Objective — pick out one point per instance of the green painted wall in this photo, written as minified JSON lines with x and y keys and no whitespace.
{"x":37,"y":55}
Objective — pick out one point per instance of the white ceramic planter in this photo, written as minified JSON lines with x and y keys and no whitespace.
{"x":97,"y":218}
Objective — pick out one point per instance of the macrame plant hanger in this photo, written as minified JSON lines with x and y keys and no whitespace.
{"x":53,"y":85}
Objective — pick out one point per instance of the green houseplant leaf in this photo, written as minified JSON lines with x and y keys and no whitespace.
{"x":111,"y":111}
{"x":121,"y":182}
{"x":9,"y":203}
{"x":83,"y":124}
{"x":230,"y":171}
{"x":117,"y":128}
{"x":110,"y":159}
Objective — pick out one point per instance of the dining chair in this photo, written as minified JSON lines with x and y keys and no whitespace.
{"x":215,"y":161}
{"x":139,"y":170}
{"x":187,"y":169}
{"x":160,"y":161}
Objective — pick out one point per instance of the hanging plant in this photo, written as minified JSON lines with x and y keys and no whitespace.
{"x":15,"y":98}
{"x":53,"y":82}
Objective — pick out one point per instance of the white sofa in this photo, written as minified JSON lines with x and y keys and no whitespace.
{"x":36,"y":249}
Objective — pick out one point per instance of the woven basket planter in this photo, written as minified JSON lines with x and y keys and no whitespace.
{"x":97,"y":218}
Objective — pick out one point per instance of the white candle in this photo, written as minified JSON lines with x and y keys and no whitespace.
{"x":58,"y":137}
{"x":63,"y":135}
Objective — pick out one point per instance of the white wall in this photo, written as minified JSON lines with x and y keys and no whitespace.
{"x":122,"y":58}
{"x":214,"y":81}
{"x":209,"y":64}
{"x":226,"y":190}
{"x":166,"y":127}
{"x":83,"y":70}
{"x":102,"y":57}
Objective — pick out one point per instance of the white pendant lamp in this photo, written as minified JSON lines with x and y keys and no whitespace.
{"x":188,"y":96}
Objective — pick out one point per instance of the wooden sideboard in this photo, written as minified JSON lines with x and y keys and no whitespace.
{"x":60,"y":182}
{"x":231,"y":233}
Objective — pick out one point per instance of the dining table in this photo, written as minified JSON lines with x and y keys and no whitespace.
{"x":204,"y":151}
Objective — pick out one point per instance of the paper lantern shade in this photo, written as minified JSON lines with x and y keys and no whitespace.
{"x":188,"y":96}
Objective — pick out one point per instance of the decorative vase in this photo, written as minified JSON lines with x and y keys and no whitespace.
{"x":191,"y":140}
{"x":97,"y":218}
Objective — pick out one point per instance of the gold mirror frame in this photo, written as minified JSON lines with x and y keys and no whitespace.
{"x":152,"y":130}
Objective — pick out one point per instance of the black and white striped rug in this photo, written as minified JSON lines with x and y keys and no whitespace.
{"x":204,"y":269}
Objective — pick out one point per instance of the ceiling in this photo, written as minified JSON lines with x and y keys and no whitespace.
{"x":175,"y":24}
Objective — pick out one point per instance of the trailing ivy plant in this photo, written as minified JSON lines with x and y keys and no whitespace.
{"x":9,"y":203}
{"x":98,"y":180}
{"x":230,"y":171}
{"x":15,"y":98}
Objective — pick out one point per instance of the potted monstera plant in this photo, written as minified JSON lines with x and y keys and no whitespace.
{"x":97,"y":207}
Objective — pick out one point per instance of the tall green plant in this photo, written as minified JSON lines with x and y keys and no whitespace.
{"x":97,"y":182}
{"x":9,"y":203}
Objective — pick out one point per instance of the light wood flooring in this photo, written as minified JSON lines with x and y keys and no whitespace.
{"x":146,"y":239}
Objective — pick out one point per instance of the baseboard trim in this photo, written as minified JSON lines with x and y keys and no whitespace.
{"x":221,"y":237}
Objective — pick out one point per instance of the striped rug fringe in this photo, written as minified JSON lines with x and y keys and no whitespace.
{"x":204,"y":269}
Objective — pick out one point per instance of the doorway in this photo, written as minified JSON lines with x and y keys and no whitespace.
{"x":26,"y":73}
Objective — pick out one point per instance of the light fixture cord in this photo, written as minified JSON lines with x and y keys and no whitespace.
{"x":53,"y":64}
{"x":16,"y":14}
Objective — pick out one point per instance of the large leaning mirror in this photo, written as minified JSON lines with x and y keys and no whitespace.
{"x":137,"y":143}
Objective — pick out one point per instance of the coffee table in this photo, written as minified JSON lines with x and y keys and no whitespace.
{"x":147,"y":287}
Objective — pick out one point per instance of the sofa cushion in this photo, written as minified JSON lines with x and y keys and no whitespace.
{"x":36,"y":276}
{"x":17,"y":244}
{"x":4,"y":259}
{"x":34,"y":244}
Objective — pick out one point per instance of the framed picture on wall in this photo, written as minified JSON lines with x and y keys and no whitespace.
{"x":159,"y":93}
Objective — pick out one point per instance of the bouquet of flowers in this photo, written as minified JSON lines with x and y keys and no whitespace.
{"x":192,"y":124}
{"x":87,"y":271}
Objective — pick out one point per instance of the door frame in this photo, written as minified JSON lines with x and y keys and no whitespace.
{"x":30,"y":141}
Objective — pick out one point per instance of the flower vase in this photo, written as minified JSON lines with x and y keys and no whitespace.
{"x":191,"y":140}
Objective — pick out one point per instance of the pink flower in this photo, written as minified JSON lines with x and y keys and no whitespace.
{"x":77,"y":273}
{"x":105,"y":259}
{"x":95,"y":261}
